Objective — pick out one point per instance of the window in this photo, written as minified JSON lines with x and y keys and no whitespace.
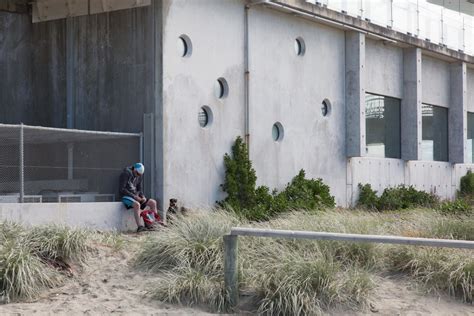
{"x":277,"y":132}
{"x":382,"y":126}
{"x":185,"y":47}
{"x":325,"y":107}
{"x":300,"y":47}
{"x":221,"y":88}
{"x":470,"y":136}
{"x":205,"y":116}
{"x":434,"y":122}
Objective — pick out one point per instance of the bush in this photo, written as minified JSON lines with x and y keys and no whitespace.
{"x":302,"y":193}
{"x":456,"y":207}
{"x":367,"y":197}
{"x":240,"y":178}
{"x":467,"y":184}
{"x":259,"y":203}
{"x":398,"y":198}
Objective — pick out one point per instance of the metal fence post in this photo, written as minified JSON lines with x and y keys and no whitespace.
{"x":22,"y":164}
{"x":231,"y":273}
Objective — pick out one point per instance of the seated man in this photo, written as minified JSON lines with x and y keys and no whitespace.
{"x":131,"y":192}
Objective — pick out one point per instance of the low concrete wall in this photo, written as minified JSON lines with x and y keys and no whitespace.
{"x":441,"y":178}
{"x":98,"y":216}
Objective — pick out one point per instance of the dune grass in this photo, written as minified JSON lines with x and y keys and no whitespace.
{"x":303,"y":277}
{"x":31,"y":259}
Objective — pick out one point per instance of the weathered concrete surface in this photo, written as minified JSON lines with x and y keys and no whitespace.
{"x":384,"y":69}
{"x":470,"y":89}
{"x":441,"y":178}
{"x":355,"y":88}
{"x":112,"y":72}
{"x":99,"y":216}
{"x":436,"y":81}
{"x":411,"y":132}
{"x":457,"y":130}
{"x":193,"y":156}
{"x":289,"y":89}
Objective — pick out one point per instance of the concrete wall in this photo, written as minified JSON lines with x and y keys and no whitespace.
{"x":441,"y":178}
{"x":33,"y":62}
{"x":289,"y":89}
{"x":94,"y":216}
{"x":97,"y":70}
{"x":435,"y":81}
{"x":384,"y":69}
{"x":470,"y":89}
{"x":193,"y":156}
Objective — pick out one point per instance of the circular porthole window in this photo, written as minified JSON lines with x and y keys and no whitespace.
{"x":277,"y":132}
{"x":325,"y":107}
{"x":185,"y":47}
{"x":205,"y":116}
{"x":300,"y":47}
{"x":221,"y":88}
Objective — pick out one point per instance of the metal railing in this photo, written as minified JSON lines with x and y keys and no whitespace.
{"x":419,"y":18}
{"x":43,"y":164}
{"x":231,"y":247}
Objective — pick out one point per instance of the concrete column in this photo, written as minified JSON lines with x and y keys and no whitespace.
{"x":411,"y":105}
{"x":355,"y":94}
{"x":457,"y":117}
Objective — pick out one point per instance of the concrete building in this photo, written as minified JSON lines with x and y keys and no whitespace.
{"x":351,"y":91}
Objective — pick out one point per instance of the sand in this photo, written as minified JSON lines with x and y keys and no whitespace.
{"x":107,"y":285}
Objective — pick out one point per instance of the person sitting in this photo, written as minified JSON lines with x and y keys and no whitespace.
{"x":131,"y":192}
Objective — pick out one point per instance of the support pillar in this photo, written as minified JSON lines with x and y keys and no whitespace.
{"x":457,"y":117}
{"x":411,"y":118}
{"x":355,"y":94}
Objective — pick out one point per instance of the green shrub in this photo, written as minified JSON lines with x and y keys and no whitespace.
{"x":240,"y":178}
{"x":456,"y":207}
{"x":401,"y":197}
{"x":259,"y":203}
{"x":467,"y":184}
{"x":308,"y":194}
{"x":367,"y":197}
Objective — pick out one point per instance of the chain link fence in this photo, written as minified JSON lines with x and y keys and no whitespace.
{"x":47,"y":165}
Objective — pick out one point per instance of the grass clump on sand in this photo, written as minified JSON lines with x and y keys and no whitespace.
{"x":303,"y":277}
{"x":280,"y":274}
{"x":32,"y":260}
{"x":445,"y":270}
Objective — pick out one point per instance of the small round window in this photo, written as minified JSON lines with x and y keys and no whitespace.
{"x":221,"y":88}
{"x":205,"y":116}
{"x":277,"y":132}
{"x":325,"y":107}
{"x":300,"y":47}
{"x":185,"y":47}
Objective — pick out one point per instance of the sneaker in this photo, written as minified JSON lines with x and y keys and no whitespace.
{"x":141,"y":229}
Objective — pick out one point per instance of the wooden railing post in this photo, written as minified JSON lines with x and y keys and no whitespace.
{"x":231,"y":273}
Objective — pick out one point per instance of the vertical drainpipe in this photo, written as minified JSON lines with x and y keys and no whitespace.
{"x":246,"y":78}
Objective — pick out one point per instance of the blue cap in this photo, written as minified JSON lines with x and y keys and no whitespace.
{"x":139,"y":167}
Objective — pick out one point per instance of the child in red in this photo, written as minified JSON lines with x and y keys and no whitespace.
{"x":150,"y":218}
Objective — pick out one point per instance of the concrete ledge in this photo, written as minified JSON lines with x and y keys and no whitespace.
{"x":98,"y":216}
{"x":440,"y":178}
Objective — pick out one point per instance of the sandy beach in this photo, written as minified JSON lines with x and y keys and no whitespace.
{"x":108,"y":285}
